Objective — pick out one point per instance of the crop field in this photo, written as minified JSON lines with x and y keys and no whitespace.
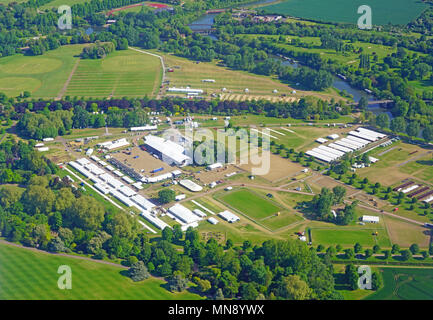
{"x":397,"y":12}
{"x":187,"y":73}
{"x":43,"y":76}
{"x":58,"y":3}
{"x":405,"y":284}
{"x":26,"y":274}
{"x":122,"y":73}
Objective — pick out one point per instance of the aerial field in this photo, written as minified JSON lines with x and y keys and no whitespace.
{"x":25,"y":274}
{"x":405,"y":284}
{"x":122,"y":73}
{"x":250,"y":203}
{"x":348,"y":237}
{"x":60,"y":72}
{"x":397,"y":12}
{"x":188,"y":73}
{"x":397,"y":162}
{"x":43,"y":76}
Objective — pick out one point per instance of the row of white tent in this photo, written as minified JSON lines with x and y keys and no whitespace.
{"x":355,"y":140}
{"x":107,"y":184}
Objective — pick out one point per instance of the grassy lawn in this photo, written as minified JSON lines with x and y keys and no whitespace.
{"x":383,"y":12}
{"x":43,"y":76}
{"x":348,"y":237}
{"x":25,"y":274}
{"x":250,"y":204}
{"x":122,"y":73}
{"x":405,"y":284}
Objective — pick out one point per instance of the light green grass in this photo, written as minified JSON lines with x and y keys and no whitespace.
{"x":348,"y":237}
{"x":25,"y":274}
{"x":383,"y":12}
{"x":122,"y":73}
{"x":43,"y":76}
{"x":250,"y":204}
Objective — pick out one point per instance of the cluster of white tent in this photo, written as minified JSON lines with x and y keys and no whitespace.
{"x":107,"y":184}
{"x":185,"y":216}
{"x":355,"y":140}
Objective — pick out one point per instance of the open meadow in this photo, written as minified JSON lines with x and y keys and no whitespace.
{"x":26,"y":274}
{"x":43,"y":76}
{"x":397,"y":12}
{"x":188,"y":73}
{"x":122,"y":73}
{"x":405,"y":284}
{"x":60,"y":72}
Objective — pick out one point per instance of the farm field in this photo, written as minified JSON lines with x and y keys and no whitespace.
{"x":58,"y":3}
{"x":26,"y":274}
{"x":43,"y":76}
{"x":122,"y":73}
{"x":187,"y":73}
{"x":405,"y":284}
{"x":397,"y":12}
{"x":405,"y":234}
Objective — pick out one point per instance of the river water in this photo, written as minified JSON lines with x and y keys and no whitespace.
{"x":206,"y":22}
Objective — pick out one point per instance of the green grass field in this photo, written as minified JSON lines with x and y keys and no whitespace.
{"x":348,"y":237}
{"x":405,"y":284}
{"x":122,"y":73}
{"x":383,"y":12}
{"x":26,"y":274}
{"x":250,"y":204}
{"x":43,"y":76}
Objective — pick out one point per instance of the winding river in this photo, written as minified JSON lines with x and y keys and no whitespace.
{"x":206,"y":22}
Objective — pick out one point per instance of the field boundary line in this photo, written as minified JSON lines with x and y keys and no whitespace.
{"x":66,"y":85}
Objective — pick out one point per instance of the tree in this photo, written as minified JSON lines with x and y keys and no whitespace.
{"x":382,"y":120}
{"x":339,"y":193}
{"x":349,"y":254}
{"x":406,"y":255}
{"x":427,"y":133}
{"x":363,"y":103}
{"x":166,"y":196}
{"x":56,"y":245}
{"x":177,"y":232}
{"x":413,"y":129}
{"x":177,"y":283}
{"x":376,"y":281}
{"x":386,"y":254}
{"x":167,"y":234}
{"x":248,"y":291}
{"x":86,"y":213}
{"x":294,"y":288}
{"x":203,"y":285}
{"x":357,"y":247}
{"x":398,"y":124}
{"x":219,"y":294}
{"x":138,"y":272}
{"x":376,"y":248}
{"x":351,"y":276}
{"x":395,"y":248}
{"x":414,"y":248}
{"x":38,"y":199}
{"x":368,"y":253}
